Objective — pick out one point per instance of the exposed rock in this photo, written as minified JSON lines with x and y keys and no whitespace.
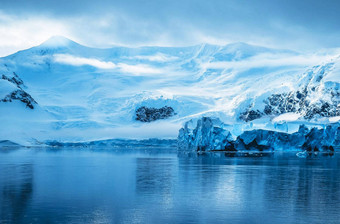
{"x":297,"y":102}
{"x":15,"y":80}
{"x":19,"y":93}
{"x":22,"y":96}
{"x":313,"y":98}
{"x":250,"y":115}
{"x":148,"y":114}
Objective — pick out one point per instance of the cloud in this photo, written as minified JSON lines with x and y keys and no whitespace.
{"x":270,"y":60}
{"x":79,"y":61}
{"x":17,"y":33}
{"x":303,"y":25}
{"x":139,"y":69}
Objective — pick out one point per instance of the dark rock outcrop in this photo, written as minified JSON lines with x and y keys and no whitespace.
{"x":250,"y":115}
{"x":22,"y":96}
{"x":149,"y":114}
{"x":315,"y":97}
{"x":296,"y":102}
{"x":15,"y":80}
{"x":19,"y":93}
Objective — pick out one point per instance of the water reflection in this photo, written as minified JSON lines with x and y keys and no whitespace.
{"x":154,"y":175}
{"x":16,"y":185}
{"x":103,"y":186}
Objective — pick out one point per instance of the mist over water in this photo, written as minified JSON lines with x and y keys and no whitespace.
{"x":158,"y":186}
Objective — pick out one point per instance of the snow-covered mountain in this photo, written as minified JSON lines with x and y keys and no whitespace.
{"x":64,"y":91}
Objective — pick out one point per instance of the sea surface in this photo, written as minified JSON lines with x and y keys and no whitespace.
{"x":157,"y":185}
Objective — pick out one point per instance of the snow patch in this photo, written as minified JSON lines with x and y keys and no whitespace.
{"x":334,"y":119}
{"x":139,"y":69}
{"x":287,"y":117}
{"x":159,"y":57}
{"x":6,"y":88}
{"x":57,"y":41}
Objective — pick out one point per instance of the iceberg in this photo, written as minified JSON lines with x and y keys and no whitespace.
{"x":210,"y":134}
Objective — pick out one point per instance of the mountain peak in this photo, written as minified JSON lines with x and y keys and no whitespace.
{"x":57,"y":41}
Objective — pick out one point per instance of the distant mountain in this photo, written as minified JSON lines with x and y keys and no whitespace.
{"x":61,"y":90}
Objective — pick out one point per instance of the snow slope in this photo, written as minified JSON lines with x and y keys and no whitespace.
{"x":86,"y":94}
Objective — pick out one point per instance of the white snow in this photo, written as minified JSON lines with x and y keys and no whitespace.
{"x":333,"y":75}
{"x":88,"y":94}
{"x":6,"y":88}
{"x":56,"y":41}
{"x":159,"y":57}
{"x":334,"y":119}
{"x":286,"y":117}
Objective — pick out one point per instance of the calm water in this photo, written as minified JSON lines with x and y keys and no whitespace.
{"x":157,"y":186}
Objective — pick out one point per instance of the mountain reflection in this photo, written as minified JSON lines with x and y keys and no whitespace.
{"x":154,"y":175}
{"x":278,"y":187}
{"x":79,"y":186}
{"x":16,"y":187}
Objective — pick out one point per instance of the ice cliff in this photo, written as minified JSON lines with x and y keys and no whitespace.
{"x":209,"y":134}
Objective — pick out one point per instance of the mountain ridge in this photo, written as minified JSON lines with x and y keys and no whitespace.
{"x":98,"y":91}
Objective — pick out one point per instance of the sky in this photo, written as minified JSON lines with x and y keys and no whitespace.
{"x":303,"y":25}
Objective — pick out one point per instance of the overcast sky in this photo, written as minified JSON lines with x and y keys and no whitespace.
{"x":304,"y":25}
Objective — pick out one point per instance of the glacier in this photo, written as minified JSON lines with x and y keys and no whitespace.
{"x":210,"y":134}
{"x":61,"y":91}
